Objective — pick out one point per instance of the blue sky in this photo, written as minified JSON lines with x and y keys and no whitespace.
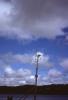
{"x":26,"y":30}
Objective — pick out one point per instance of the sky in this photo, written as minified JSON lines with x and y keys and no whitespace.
{"x":28,"y":28}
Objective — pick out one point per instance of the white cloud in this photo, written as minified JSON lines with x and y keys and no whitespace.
{"x":10,"y":58}
{"x":13,"y":77}
{"x":45,"y":80}
{"x":22,"y":76}
{"x":9,"y":72}
{"x":53,"y":73}
{"x":5,"y":18}
{"x":23,"y":72}
{"x":33,"y":19}
{"x":54,"y":76}
{"x":24,"y":58}
{"x":64,"y":63}
{"x":16,"y":73}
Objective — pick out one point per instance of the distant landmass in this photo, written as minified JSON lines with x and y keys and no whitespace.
{"x":32,"y":89}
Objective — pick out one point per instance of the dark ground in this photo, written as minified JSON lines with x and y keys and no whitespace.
{"x":40,"y":90}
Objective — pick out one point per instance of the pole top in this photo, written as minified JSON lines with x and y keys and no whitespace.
{"x":38,"y":54}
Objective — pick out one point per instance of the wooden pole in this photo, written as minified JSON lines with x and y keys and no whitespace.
{"x":36,"y":76}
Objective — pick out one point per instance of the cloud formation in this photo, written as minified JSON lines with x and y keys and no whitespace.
{"x":13,"y":77}
{"x":33,"y":19}
{"x":64,"y":63}
{"x":22,"y":76}
{"x":10,"y":58}
{"x":54,"y":73}
{"x":55,"y":76}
